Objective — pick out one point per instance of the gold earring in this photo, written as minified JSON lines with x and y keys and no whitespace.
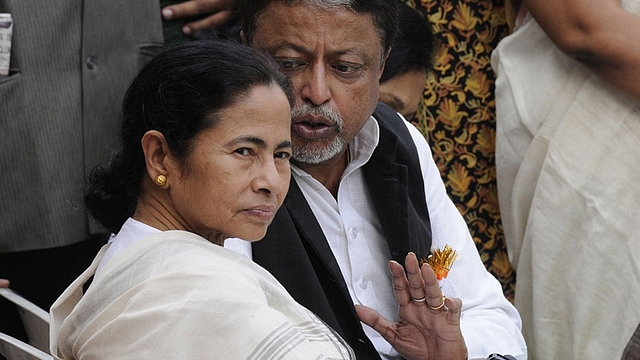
{"x":161,"y":180}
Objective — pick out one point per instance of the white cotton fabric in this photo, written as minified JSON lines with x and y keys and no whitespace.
{"x":132,"y":231}
{"x":174,"y":295}
{"x":567,"y":147}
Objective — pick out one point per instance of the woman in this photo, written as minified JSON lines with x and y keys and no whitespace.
{"x":410,"y":60}
{"x":205,"y":147}
{"x":205,"y":155}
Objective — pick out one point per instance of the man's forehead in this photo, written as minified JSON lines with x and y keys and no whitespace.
{"x":283,"y":10}
{"x":296,"y":26}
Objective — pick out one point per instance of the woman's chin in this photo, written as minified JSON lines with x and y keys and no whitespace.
{"x":252,"y":236}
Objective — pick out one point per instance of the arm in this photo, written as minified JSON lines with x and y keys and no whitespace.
{"x":221,"y":12}
{"x":598,"y":33}
{"x":489,"y":322}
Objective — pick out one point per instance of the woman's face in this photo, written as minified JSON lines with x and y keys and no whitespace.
{"x":404,"y":92}
{"x":238,"y":172}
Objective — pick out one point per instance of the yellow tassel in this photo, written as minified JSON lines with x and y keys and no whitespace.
{"x":441,"y":261}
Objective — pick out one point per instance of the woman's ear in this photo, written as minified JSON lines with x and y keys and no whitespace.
{"x":243,"y":38}
{"x":157,"y":157}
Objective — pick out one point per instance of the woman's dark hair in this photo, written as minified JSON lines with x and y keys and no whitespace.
{"x":413,"y":48}
{"x":179,"y":93}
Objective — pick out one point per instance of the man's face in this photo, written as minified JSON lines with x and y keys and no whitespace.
{"x":334,"y":61}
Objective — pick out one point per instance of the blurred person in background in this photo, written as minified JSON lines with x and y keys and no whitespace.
{"x":70,"y":65}
{"x":410,"y":60}
{"x":568,"y":101}
{"x":457,"y":117}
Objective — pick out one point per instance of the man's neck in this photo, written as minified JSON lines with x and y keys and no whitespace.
{"x":329,"y":172}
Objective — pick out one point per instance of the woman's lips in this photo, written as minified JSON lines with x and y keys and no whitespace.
{"x":266,"y":212}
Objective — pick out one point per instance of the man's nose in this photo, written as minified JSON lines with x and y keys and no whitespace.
{"x":315,"y":85}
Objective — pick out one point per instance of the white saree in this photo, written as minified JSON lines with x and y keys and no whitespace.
{"x":567,"y":152}
{"x":174,"y":295}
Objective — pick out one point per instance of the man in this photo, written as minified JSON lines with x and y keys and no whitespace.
{"x":361,"y":184}
{"x":59,"y":114}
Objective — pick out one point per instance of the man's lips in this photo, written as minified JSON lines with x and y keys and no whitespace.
{"x":310,"y":127}
{"x":312,"y":119}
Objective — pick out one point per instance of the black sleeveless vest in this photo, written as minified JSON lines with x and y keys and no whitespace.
{"x":296,"y":251}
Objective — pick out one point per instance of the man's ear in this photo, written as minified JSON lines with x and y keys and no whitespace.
{"x":156,"y":155}
{"x":384,"y":61}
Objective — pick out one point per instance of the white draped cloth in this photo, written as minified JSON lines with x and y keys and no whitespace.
{"x":174,"y":295}
{"x":567,"y":152}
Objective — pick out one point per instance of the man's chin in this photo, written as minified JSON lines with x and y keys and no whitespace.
{"x":316,"y":152}
{"x":308,"y":159}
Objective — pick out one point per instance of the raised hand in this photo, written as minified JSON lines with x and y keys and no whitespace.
{"x":428,"y":325}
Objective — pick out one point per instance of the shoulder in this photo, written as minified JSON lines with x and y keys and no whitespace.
{"x":391,"y":122}
{"x":388,"y":118}
{"x":180,"y":257}
{"x":185,"y":272}
{"x":397,"y":133}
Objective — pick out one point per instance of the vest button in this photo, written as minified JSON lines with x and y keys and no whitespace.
{"x":91,"y":63}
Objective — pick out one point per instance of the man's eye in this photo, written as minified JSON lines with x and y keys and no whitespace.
{"x":286,"y":64}
{"x":347,"y":69}
{"x":243,"y":151}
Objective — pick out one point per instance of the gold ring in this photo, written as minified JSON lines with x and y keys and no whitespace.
{"x":439,"y":306}
{"x":422,"y":299}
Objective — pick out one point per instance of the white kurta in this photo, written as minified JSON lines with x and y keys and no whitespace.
{"x":489,"y":323}
{"x":567,"y":147}
{"x":174,"y":295}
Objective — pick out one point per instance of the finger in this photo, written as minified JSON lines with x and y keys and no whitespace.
{"x":433,"y":293}
{"x":376,"y":321}
{"x":4,"y":283}
{"x":454,"y":305}
{"x":216,"y":20}
{"x":191,"y":8}
{"x":414,"y":277}
{"x":400,"y":284}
